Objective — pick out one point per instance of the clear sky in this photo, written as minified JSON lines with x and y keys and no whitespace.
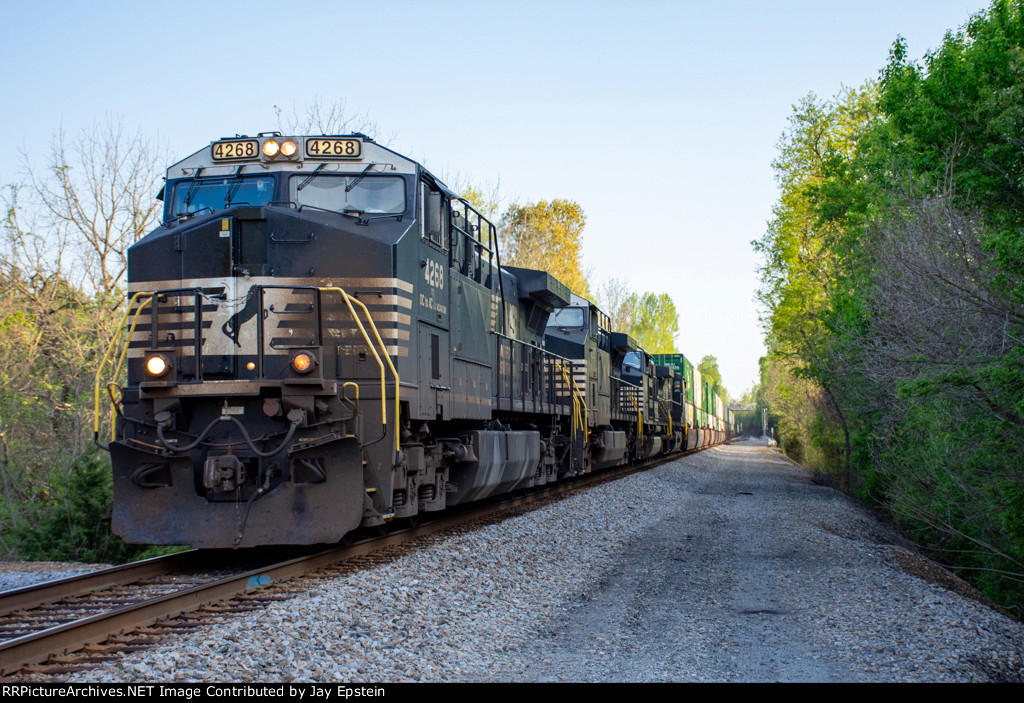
{"x":659,"y":118}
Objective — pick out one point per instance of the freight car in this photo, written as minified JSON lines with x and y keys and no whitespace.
{"x":321,"y":337}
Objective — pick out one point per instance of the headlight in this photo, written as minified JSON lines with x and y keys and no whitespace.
{"x":270,"y":148}
{"x":289,"y":148}
{"x":157,"y":365}
{"x":303,"y":362}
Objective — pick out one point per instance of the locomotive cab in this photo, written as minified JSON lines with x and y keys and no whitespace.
{"x":269,"y":328}
{"x":580,"y":331}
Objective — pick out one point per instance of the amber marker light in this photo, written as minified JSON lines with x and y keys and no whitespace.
{"x":303,"y":362}
{"x":271,"y":148}
{"x":251,"y":366}
{"x":156,"y":365}
{"x":289,"y":148}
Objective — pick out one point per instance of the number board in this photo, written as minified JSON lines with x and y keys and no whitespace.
{"x":236,"y":149}
{"x":333,"y":148}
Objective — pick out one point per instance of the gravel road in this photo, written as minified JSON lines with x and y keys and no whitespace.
{"x":728,"y":565}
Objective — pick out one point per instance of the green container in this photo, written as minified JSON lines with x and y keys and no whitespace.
{"x":682,"y":367}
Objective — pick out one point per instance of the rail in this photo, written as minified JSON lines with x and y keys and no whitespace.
{"x":62,"y":639}
{"x":639,"y":418}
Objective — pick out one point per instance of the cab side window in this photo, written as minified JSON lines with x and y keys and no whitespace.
{"x":433,"y":215}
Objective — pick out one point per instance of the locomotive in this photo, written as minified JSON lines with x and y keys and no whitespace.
{"x":320,"y":337}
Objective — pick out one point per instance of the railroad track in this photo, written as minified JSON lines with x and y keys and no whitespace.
{"x":70,"y":623}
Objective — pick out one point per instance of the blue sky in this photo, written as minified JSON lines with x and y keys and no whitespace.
{"x":659,"y":118}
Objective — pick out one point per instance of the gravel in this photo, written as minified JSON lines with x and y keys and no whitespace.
{"x":728,"y":565}
{"x":20,"y":574}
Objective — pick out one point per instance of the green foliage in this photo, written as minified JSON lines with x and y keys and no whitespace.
{"x":487,"y":204}
{"x":547,"y":236}
{"x":893,"y":290}
{"x":50,"y":342}
{"x":708,"y":368}
{"x":62,"y":258}
{"x":72,"y":523}
{"x":955,"y":125}
{"x":654,"y":323}
{"x":960,"y":494}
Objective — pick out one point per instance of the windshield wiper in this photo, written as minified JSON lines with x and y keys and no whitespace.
{"x":358,"y":178}
{"x":310,"y":177}
{"x":193,"y":186}
{"x":364,"y":219}
{"x":384,"y":216}
{"x":235,"y":185}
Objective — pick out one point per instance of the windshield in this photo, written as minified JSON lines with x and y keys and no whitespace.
{"x":219,"y":193}
{"x":631,"y":364}
{"x":566,"y":317}
{"x":369,"y":194}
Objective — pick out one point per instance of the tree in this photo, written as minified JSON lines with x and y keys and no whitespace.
{"x":655,"y":322}
{"x":708,"y":368}
{"x":485,"y":199}
{"x":546,"y":236}
{"x":97,"y":196}
{"x":318,"y":117}
{"x":63,"y":257}
{"x":955,"y":124}
{"x":811,"y":248}
{"x":615,"y":299}
{"x":893,"y":295}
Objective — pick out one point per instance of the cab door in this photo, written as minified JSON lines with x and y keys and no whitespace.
{"x":431,"y":303}
{"x":433,"y":372}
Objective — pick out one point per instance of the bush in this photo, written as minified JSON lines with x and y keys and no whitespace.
{"x":74,"y":524}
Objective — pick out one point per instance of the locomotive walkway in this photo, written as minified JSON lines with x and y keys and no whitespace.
{"x":728,"y":565}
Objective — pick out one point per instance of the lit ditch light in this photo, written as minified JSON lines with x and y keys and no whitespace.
{"x":303,"y":362}
{"x":157,"y":365}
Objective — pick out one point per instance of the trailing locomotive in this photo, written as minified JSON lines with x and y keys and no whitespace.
{"x":321,"y":337}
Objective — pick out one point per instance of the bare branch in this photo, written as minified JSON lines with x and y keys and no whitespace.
{"x":318,"y":117}
{"x":97,"y":195}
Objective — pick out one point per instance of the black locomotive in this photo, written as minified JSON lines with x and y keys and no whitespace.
{"x":321,"y":337}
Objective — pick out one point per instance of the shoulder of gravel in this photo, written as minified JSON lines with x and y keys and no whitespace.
{"x":882,"y":533}
{"x":19,"y":574}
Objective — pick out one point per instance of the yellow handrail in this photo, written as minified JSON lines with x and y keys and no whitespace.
{"x":349,"y":300}
{"x":586,"y":414}
{"x":575,"y":407}
{"x":639,"y":418}
{"x":149,"y":295}
{"x":355,"y":385}
{"x":120,"y":362}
